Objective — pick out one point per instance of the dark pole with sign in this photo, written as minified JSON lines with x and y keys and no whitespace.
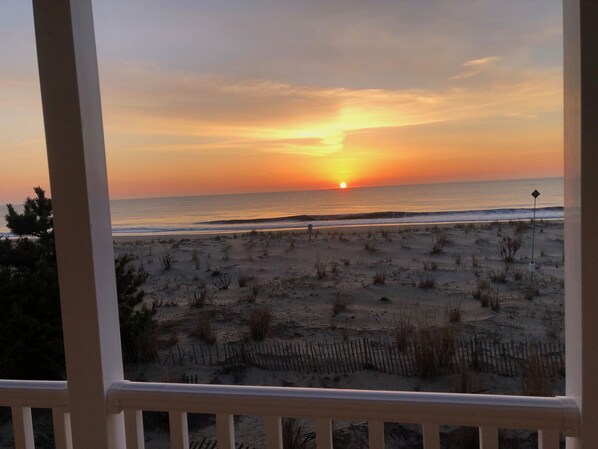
{"x":535,"y":194}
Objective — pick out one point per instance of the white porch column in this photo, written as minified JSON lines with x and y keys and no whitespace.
{"x":581,"y":213}
{"x":75,"y":143}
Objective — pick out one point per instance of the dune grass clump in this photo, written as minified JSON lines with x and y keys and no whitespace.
{"x":495,"y":301}
{"x":498,"y":276}
{"x":466,"y":380}
{"x":481,"y":292}
{"x":254,"y":289}
{"x":434,"y":347}
{"x":430,"y":266}
{"x":403,"y":327}
{"x":427,"y":283}
{"x":260,"y":323}
{"x":334,"y":268}
{"x":225,"y":250}
{"x":203,"y":329}
{"x":553,"y":322}
{"x":200,"y":297}
{"x":244,"y":279}
{"x":167,"y":261}
{"x":485,"y":299}
{"x":369,"y":246}
{"x":508,"y":246}
{"x":293,"y":435}
{"x":520,"y":227}
{"x":530,"y":292}
{"x":340,"y":303}
{"x":534,"y":380}
{"x":220,"y":280}
{"x":438,"y":244}
{"x":379,"y":278}
{"x":321,"y":269}
{"x":195,"y":259}
{"x":454,"y":311}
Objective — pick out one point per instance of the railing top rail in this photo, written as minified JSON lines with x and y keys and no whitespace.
{"x":515,"y":412}
{"x":34,"y":393}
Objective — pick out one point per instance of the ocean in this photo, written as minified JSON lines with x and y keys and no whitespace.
{"x":407,"y":204}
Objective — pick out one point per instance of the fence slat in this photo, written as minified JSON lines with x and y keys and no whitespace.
{"x":179,"y":430}
{"x":62,"y":429}
{"x":431,"y":436}
{"x":276,"y":359}
{"x":225,"y":431}
{"x":304,"y":357}
{"x":314,"y":359}
{"x":387,"y":357}
{"x":273,"y":427}
{"x":22,"y":427}
{"x":399,"y":360}
{"x":488,"y":438}
{"x":194,"y":353}
{"x":329,"y":359}
{"x":337,"y":358}
{"x":324,"y":434}
{"x":352,"y":356}
{"x":362,"y":354}
{"x":548,"y":439}
{"x":376,"y":434}
{"x":291,"y":356}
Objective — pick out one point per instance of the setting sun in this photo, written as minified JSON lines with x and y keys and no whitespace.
{"x":343,"y":185}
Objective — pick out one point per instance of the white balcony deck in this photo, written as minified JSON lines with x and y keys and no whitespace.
{"x":550,"y":416}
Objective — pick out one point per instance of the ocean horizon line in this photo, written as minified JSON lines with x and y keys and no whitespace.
{"x":349,"y":188}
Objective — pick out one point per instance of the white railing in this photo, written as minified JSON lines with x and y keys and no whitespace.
{"x":550,"y":416}
{"x":22,"y":396}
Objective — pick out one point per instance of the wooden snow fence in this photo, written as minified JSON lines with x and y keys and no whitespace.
{"x":343,"y":357}
{"x":207,"y":443}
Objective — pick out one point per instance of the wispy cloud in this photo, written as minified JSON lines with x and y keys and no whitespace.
{"x":475,"y":67}
{"x":270,"y":116}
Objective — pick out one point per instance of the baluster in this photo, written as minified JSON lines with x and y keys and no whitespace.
{"x":548,"y":439}
{"x":22,"y":427}
{"x":376,"y":434}
{"x":225,"y":431}
{"x":179,"y":430}
{"x":431,"y":436}
{"x":273,"y":427}
{"x":488,"y":438}
{"x":62,"y":429}
{"x":324,"y":434}
{"x":134,"y":429}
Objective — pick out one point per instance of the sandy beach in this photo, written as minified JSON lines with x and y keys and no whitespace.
{"x":345,"y":285}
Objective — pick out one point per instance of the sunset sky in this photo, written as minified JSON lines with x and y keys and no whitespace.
{"x":222,"y":96}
